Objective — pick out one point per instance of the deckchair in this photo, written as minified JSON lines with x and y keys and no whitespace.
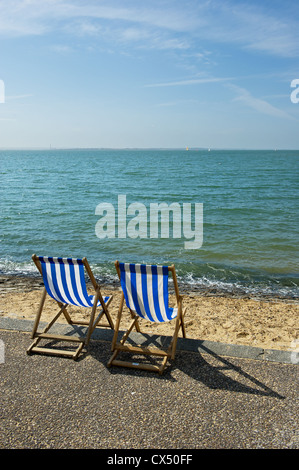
{"x":64,"y":281}
{"x":145,"y":292}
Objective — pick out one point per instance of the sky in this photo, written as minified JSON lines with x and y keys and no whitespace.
{"x":149,"y":74}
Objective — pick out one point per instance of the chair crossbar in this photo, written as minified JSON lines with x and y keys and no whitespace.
{"x":59,"y":337}
{"x":137,"y":365}
{"x":58,"y":352}
{"x":139,"y":349}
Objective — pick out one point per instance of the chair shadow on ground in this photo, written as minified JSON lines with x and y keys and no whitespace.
{"x":208,"y":368}
{"x":218,"y":372}
{"x":214,"y":371}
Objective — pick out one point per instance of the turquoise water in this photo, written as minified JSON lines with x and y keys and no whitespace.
{"x":250,"y":213}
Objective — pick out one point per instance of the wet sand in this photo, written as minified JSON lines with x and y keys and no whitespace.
{"x":265,"y":323}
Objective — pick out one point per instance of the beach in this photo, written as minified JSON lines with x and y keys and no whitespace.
{"x":266,"y":323}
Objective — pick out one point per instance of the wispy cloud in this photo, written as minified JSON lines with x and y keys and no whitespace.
{"x":21,"y":17}
{"x":17,"y":97}
{"x":258,"y":104}
{"x":253,"y":26}
{"x":246,"y":24}
{"x":61,"y":48}
{"x":193,"y":81}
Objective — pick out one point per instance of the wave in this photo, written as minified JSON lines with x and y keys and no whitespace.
{"x":206,"y":279}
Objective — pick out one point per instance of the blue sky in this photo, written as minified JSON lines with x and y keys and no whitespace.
{"x":167,"y":73}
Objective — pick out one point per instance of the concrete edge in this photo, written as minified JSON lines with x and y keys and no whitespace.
{"x":184,"y":344}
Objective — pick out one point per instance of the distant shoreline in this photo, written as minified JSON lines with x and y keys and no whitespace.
{"x":232,"y":149}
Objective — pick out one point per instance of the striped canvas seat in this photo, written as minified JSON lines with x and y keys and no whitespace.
{"x":145,"y":288}
{"x":145,"y":293}
{"x":65,"y":281}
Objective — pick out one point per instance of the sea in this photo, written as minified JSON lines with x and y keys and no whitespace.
{"x":242,"y":213}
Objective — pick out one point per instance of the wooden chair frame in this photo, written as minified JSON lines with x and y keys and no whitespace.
{"x":91,"y":324}
{"x":117,"y":347}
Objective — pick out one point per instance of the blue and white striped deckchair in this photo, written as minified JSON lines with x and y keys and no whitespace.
{"x":64,"y":281}
{"x":145,"y":288}
{"x":145,"y":291}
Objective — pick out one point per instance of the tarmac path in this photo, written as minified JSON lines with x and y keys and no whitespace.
{"x":203,"y":401}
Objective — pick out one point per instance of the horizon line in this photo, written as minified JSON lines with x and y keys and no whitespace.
{"x":186,"y":148}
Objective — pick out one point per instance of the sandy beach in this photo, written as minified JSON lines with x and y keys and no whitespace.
{"x":270,"y":324}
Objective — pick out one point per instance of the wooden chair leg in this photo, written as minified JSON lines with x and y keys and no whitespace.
{"x":183,"y":323}
{"x":91,"y":325}
{"x":38,"y":315}
{"x":119,"y":314}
